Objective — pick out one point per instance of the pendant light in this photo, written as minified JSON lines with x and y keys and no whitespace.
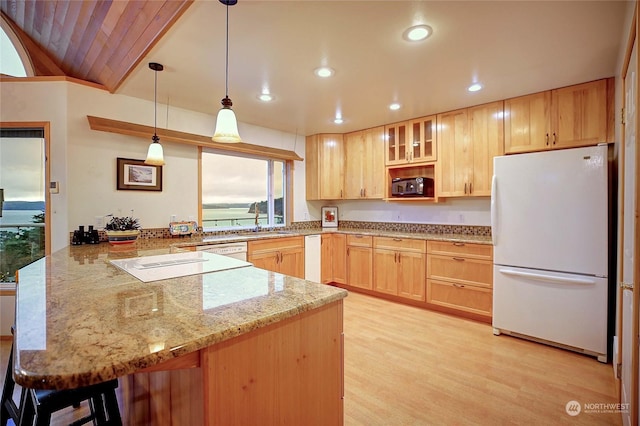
{"x":226,"y":123}
{"x":155,"y":156}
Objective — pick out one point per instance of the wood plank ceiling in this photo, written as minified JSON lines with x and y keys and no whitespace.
{"x":97,"y":41}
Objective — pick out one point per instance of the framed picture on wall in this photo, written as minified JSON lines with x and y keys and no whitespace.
{"x":329,"y":217}
{"x":135,"y":175}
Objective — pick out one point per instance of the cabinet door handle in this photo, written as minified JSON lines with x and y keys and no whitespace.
{"x":546,"y":139}
{"x":470,"y":188}
{"x":458,"y":285}
{"x":395,"y":257}
{"x":399,"y":257}
{"x":554,"y":138}
{"x":459,"y":259}
{"x":465,"y":187}
{"x":458,"y":244}
{"x":397,"y":239}
{"x":347,"y":251}
{"x":364,"y":192}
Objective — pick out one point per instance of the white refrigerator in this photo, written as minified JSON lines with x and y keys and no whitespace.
{"x":549,"y":220}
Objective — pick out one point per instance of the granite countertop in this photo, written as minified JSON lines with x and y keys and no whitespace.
{"x":81,"y":320}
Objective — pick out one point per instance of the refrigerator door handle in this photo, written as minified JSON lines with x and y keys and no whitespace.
{"x":548,"y":278}
{"x":494,"y":213}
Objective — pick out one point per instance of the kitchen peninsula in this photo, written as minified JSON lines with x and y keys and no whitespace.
{"x":226,"y":347}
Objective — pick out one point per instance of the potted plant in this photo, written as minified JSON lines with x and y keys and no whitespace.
{"x":122,"y":230}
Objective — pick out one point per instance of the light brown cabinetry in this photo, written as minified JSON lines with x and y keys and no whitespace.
{"x":568,"y":117}
{"x":460,"y":277}
{"x":326,"y":258}
{"x":334,"y":259}
{"x":359,"y":261}
{"x":399,"y":267}
{"x":364,"y":164}
{"x":324,"y":166}
{"x":284,"y":255}
{"x":412,"y":141}
{"x":469,"y":139}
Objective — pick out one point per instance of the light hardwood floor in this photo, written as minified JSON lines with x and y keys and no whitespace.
{"x":409,"y":366}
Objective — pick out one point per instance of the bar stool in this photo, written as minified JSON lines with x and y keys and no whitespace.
{"x":37,"y":406}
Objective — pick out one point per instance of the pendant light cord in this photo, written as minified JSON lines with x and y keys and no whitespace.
{"x":155,"y":105}
{"x":226,"y":79}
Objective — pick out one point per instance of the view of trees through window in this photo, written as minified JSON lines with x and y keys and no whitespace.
{"x":242,"y":192}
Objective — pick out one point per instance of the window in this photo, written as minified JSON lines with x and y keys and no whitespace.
{"x":13,"y":58}
{"x":242,"y":192}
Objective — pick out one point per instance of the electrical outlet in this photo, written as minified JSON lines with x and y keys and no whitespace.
{"x":306,"y":215}
{"x":461,"y":218}
{"x":173,"y":218}
{"x":98,"y":222}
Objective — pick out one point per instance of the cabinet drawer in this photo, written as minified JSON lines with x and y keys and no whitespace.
{"x":476,"y":251}
{"x":403,"y":244}
{"x":271,"y":244}
{"x":359,"y":240}
{"x":457,"y":296}
{"x":460,"y":270}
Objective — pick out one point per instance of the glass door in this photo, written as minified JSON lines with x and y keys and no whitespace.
{"x":22,"y":200}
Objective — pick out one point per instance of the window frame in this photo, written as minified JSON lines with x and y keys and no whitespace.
{"x":287,"y":180}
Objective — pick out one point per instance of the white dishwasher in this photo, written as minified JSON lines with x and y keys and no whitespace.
{"x":236,"y":250}
{"x":312,"y":261}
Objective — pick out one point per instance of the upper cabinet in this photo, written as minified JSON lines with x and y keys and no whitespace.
{"x":469,"y":138}
{"x":562,"y":118}
{"x":364,"y":168}
{"x":411,"y":141}
{"x":325,"y":166}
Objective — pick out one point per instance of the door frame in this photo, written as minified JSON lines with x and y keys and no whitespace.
{"x":635,"y":324}
{"x":46,"y":127}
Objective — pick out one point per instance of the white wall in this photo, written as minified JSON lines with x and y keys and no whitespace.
{"x":83,"y":161}
{"x":44,"y":101}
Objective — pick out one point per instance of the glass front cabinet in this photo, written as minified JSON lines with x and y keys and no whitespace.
{"x":411,"y":141}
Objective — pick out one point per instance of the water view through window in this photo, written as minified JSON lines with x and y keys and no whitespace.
{"x":22,"y":198}
{"x":241,"y":192}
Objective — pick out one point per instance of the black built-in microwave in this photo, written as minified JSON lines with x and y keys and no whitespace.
{"x":412,"y":187}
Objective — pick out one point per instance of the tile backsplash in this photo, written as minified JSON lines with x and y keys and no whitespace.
{"x":152,"y":233}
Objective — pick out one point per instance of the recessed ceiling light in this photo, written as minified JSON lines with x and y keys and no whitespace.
{"x":394,"y":106}
{"x":417,"y":32}
{"x":338,"y":120}
{"x":324,"y":72}
{"x":474,"y":87}
{"x":265,"y":97}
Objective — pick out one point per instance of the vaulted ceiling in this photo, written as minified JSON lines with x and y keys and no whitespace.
{"x":97,"y":41}
{"x":511,"y":47}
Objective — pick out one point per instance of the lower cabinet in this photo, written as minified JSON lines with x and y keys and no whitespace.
{"x":283,"y":255}
{"x":333,"y":268}
{"x":453,"y":277}
{"x":399,"y":267}
{"x":359,"y":261}
{"x":460,"y":277}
